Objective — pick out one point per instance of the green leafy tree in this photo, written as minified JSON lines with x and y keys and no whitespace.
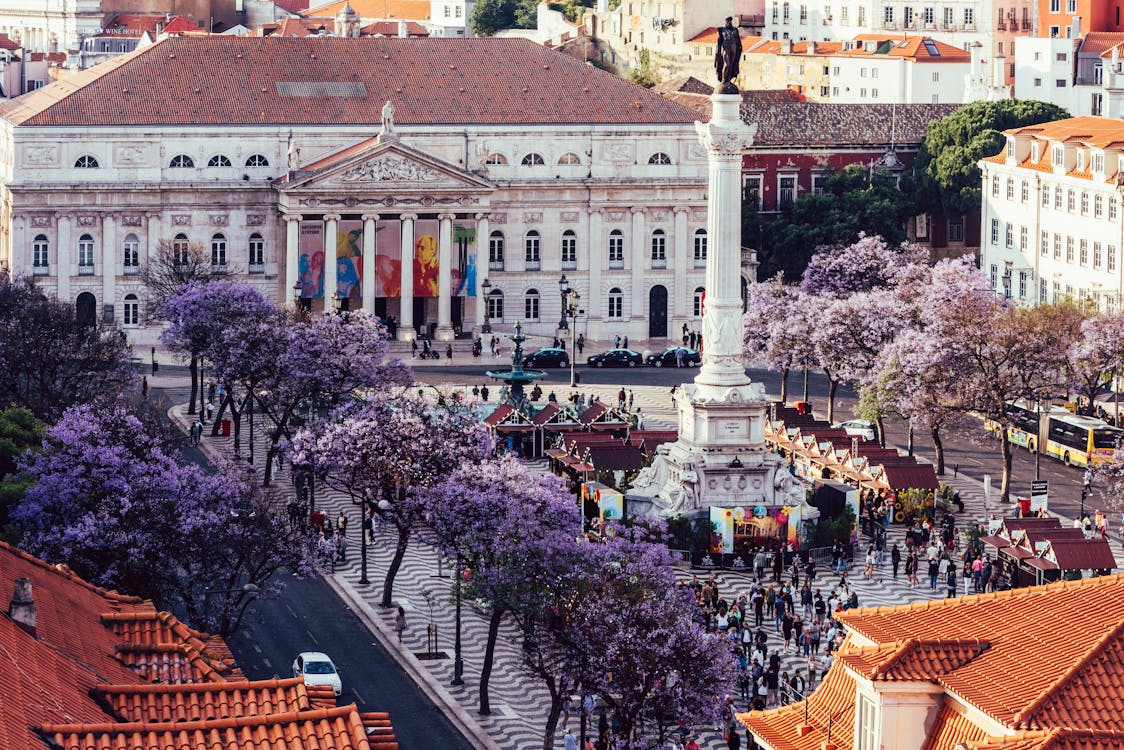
{"x":853,"y":201}
{"x":946,"y":164}
{"x":490,"y":16}
{"x":644,"y":74}
{"x":20,"y":432}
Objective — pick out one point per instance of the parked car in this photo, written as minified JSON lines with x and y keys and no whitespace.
{"x":670,"y":357}
{"x":317,"y":669}
{"x":548,"y":356}
{"x":616,"y":358}
{"x":860,"y":427}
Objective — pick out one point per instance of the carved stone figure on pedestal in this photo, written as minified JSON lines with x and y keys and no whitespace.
{"x":387,"y":119}
{"x":727,"y":57}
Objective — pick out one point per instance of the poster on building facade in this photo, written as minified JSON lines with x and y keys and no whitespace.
{"x":310,"y":246}
{"x":349,"y":262}
{"x":426,"y":258}
{"x":388,"y":259}
{"x":464,"y":261}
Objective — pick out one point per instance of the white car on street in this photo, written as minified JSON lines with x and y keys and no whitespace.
{"x":859,"y":427}
{"x":317,"y":669}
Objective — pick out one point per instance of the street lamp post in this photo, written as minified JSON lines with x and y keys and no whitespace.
{"x":363,"y":542}
{"x":564,"y":290}
{"x":486,"y":289}
{"x":571,"y":307}
{"x":298,"y":299}
{"x":458,"y":660}
{"x":339,"y":303}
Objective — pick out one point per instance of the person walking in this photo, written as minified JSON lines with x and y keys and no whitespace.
{"x":934,"y":573}
{"x":580,"y":343}
{"x":617,"y":342}
{"x":895,"y":558}
{"x":400,"y":623}
{"x":624,"y":344}
{"x":951,"y":579}
{"x":448,"y":351}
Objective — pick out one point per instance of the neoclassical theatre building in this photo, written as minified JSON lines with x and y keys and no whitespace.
{"x":411,"y":177}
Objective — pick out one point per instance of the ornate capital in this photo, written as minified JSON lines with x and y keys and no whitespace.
{"x":639,"y":210}
{"x":409,"y":217}
{"x":370,"y":217}
{"x":446,"y":216}
{"x":481,"y":217}
{"x":726,"y":139}
{"x":332,"y":217}
{"x":681,"y":211}
{"x":292,"y":217}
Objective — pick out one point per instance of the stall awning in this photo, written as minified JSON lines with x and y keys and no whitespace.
{"x":554,"y":453}
{"x":1017,"y":552}
{"x":1092,"y":554}
{"x":995,"y":541}
{"x":608,"y":426}
{"x":502,"y":412}
{"x":918,"y":477}
{"x":616,"y":457}
{"x":506,"y":428}
{"x":1038,"y":562}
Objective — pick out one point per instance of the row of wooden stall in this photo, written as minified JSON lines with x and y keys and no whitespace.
{"x":819,"y":451}
{"x":530,"y":432}
{"x":1040,"y":550}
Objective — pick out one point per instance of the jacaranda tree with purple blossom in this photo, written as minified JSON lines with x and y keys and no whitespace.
{"x":501,"y":520}
{"x":112,"y":501}
{"x":391,"y":449}
{"x":778,"y":328}
{"x":1096,"y":355}
{"x":861,"y":266}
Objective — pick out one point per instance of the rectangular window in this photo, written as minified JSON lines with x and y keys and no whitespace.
{"x":1098,"y":206}
{"x":1045,"y":196}
{"x":86,"y":256}
{"x":956,"y":230}
{"x":969,"y":16}
{"x":995,"y":186}
{"x":1098,"y":163}
{"x":1057,"y":246}
{"x":1042,"y":290}
{"x":659,"y":250}
{"x":995,"y":231}
{"x":569,"y":252}
{"x":1070,"y":6}
{"x":909,"y":17}
{"x":1110,"y":258}
{"x":531,"y":307}
{"x":948,"y":18}
{"x":1057,"y":156}
{"x":1112,"y":208}
{"x":257,"y":254}
{"x":531,"y":251}
{"x":1058,"y":198}
{"x":888,"y":15}
{"x":1068,"y":249}
{"x":1022,"y":284}
{"x":1023,"y":241}
{"x":1060,"y":83}
{"x":132,"y":256}
{"x":843,"y":12}
{"x":1010,"y":189}
{"x":1083,"y":252}
{"x":1009,"y":236}
{"x":40,"y":250}
{"x":803,"y":14}
{"x":1025,"y":196}
{"x":1070,"y":201}
{"x":874,"y":72}
{"x":1098,"y":254}
{"x":700,"y":248}
{"x":616,"y":250}
{"x":825,"y":91}
{"x":1057,"y":291}
{"x":752,"y":190}
{"x":616,"y":306}
{"x":1084,"y":204}
{"x":994,"y":275}
{"x":1044,"y":247}
{"x":1055,"y":6}
{"x":786,"y":192}
{"x":495,"y":252}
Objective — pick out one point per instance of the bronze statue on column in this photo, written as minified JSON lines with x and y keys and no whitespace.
{"x":727,"y":57}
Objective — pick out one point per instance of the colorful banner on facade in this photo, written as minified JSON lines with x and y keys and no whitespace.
{"x":349,"y":262}
{"x":464,"y":261}
{"x":426,"y":233}
{"x":388,"y":259}
{"x":311,"y":259}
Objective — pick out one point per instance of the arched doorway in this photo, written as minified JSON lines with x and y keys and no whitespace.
{"x":657,"y":312}
{"x":86,"y":309}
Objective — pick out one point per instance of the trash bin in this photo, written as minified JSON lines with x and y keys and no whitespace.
{"x":226,"y":428}
{"x":1024,"y":506}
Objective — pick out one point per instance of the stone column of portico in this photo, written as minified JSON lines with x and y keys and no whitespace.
{"x":482,"y":230}
{"x":682,"y":292}
{"x":369,"y":262}
{"x":406,"y":330}
{"x":593,"y":302}
{"x":292,"y":255}
{"x":331,"y":232}
{"x":445,"y":278}
{"x":724,"y":137}
{"x":639,"y":263}
{"x":64,"y":270}
{"x":109,"y":263}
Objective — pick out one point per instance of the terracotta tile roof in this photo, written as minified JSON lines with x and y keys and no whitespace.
{"x":341,"y":728}
{"x":390,"y":28}
{"x":186,"y":81}
{"x":1025,"y":637}
{"x":8,"y":44}
{"x":686,"y":85}
{"x":1098,"y":132}
{"x":912,"y":659}
{"x":775,"y":47}
{"x":203,"y":701}
{"x":1096,"y":42}
{"x":295,"y":27}
{"x":781,"y":121}
{"x":1081,"y":554}
{"x":710,"y":36}
{"x":156,"y":645}
{"x":833,"y":700}
{"x":916,"y":48}
{"x":135,"y":24}
{"x":1055,"y":739}
{"x":952,"y":727}
{"x":414,"y":10}
{"x":293,"y":6}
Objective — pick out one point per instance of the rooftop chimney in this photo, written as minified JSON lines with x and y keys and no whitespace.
{"x":403,"y":30}
{"x":22,"y":607}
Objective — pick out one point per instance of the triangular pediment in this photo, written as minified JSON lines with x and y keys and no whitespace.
{"x":383,"y":164}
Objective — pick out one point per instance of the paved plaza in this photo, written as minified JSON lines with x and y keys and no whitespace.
{"x":424,"y":588}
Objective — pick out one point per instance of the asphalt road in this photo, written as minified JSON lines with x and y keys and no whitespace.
{"x":974,"y":453}
{"x":308,"y":616}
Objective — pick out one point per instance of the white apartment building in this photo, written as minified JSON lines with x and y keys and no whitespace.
{"x":995,"y":24}
{"x":907,"y":70}
{"x":1080,"y":74}
{"x":1051,"y":218}
{"x":50,"y":25}
{"x":490,"y":171}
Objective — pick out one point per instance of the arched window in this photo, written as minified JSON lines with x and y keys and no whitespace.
{"x":616,"y":303}
{"x":697,"y":308}
{"x":40,"y":254}
{"x":659,"y":158}
{"x":86,"y":162}
{"x":181,"y":252}
{"x":531,"y":247}
{"x":700,"y":248}
{"x":495,"y":160}
{"x":531,"y":304}
{"x":495,"y":305}
{"x":616,"y":249}
{"x":257,"y":160}
{"x":181,"y":161}
{"x":131,"y":249}
{"x":132,"y":310}
{"x":569,"y":250}
{"x":85,"y":254}
{"x":659,"y":249}
{"x":218,"y":160}
{"x":257,"y":253}
{"x":533,"y":160}
{"x":218,"y":253}
{"x":569,"y":159}
{"x":495,"y":251}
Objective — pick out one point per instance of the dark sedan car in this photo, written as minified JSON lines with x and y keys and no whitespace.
{"x":547,"y":357}
{"x":616,"y":358}
{"x":673,"y":356}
